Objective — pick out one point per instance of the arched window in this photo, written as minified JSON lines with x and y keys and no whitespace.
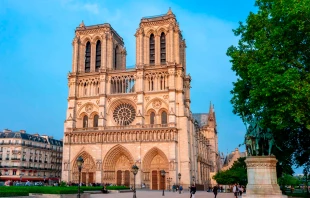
{"x":98,"y":55}
{"x":115,"y":57}
{"x":87,"y":57}
{"x":164,"y":117}
{"x":152,"y":49}
{"x":85,"y":89}
{"x":163,"y":48}
{"x":96,"y":117}
{"x":85,"y":121}
{"x":152,"y":118}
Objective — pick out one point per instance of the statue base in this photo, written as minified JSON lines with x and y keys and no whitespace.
{"x":262,"y":178}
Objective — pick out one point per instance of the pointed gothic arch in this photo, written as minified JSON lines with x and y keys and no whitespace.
{"x":88,"y":169}
{"x":154,"y":161}
{"x":117,"y":165}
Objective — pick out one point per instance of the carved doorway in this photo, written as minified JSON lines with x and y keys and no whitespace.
{"x":90,"y":177}
{"x":154,"y":180}
{"x":83,"y":179}
{"x":119,"y":178}
{"x":88,"y":170}
{"x":127,"y":178}
{"x":153,"y":162}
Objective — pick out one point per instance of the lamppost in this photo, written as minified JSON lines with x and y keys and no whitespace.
{"x":80,"y":162}
{"x":20,"y":180}
{"x":179,"y":176}
{"x":193,"y":177}
{"x":169,"y":179}
{"x":134,"y":169}
{"x":163,"y":173}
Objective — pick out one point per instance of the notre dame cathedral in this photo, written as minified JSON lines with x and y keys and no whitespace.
{"x":119,"y":116}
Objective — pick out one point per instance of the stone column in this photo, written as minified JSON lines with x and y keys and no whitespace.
{"x":157,"y":49}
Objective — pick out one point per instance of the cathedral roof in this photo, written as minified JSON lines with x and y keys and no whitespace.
{"x":202,"y":118}
{"x":160,"y":17}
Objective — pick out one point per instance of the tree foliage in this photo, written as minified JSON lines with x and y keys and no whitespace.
{"x":236,"y":174}
{"x":272,"y":63}
{"x":287,"y":179}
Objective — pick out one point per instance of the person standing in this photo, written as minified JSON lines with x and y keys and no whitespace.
{"x":193,"y":191}
{"x":236,"y":190}
{"x":240,"y":190}
{"x":215,"y":189}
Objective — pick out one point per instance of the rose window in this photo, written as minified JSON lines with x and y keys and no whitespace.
{"x":124,"y":114}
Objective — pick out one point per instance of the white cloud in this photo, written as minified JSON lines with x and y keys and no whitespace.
{"x":92,"y":8}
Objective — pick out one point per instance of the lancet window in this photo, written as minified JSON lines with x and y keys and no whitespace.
{"x":164,"y":117}
{"x":156,"y":81}
{"x":152,"y":118}
{"x":115,"y":57}
{"x":98,"y":55}
{"x":96,"y":118}
{"x":85,"y":121}
{"x":87,"y":57}
{"x":163,"y":48}
{"x":152,"y":49}
{"x":123,"y":84}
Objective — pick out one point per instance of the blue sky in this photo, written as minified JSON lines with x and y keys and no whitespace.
{"x":36,"y":55}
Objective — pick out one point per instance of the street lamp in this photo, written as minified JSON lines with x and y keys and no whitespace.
{"x":169,"y":179}
{"x":163,"y":173}
{"x":134,"y":169}
{"x":179,"y":176}
{"x":193,"y":177}
{"x":80,"y":162}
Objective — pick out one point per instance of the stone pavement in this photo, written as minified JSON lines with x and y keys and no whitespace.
{"x":158,"y":194}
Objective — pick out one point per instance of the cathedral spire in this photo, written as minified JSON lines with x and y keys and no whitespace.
{"x":82,"y":24}
{"x":169,"y":11}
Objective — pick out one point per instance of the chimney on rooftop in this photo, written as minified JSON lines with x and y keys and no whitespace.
{"x":6,"y":130}
{"x":22,"y":131}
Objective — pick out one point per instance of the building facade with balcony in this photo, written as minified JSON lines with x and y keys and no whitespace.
{"x":29,"y":157}
{"x":119,"y":116}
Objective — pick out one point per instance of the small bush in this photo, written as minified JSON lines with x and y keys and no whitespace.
{"x":9,"y":193}
{"x":117,"y":187}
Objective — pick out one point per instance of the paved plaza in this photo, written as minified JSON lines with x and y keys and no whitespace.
{"x":158,"y":194}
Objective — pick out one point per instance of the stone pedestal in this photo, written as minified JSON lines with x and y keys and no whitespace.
{"x":262,"y":178}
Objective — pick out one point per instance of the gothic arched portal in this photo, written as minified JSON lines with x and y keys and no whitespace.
{"x":153,"y":162}
{"x":88,"y":169}
{"x":117,"y":166}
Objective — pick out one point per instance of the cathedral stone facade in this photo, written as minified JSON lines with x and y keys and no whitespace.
{"x":119,"y":116}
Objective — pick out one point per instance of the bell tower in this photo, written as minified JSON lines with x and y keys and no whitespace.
{"x":159,"y":41}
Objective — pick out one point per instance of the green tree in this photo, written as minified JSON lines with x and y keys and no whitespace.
{"x":287,"y":179}
{"x":236,"y":174}
{"x":272,"y":63}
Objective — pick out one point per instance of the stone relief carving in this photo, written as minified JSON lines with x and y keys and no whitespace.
{"x":166,"y":97}
{"x":89,"y":108}
{"x":156,"y":104}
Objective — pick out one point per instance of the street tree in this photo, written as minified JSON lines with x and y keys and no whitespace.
{"x":236,"y":174}
{"x":272,"y":64}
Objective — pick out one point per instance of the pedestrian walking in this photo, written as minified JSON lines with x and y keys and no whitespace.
{"x":235,"y":190}
{"x":193,"y":191}
{"x":215,"y":189}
